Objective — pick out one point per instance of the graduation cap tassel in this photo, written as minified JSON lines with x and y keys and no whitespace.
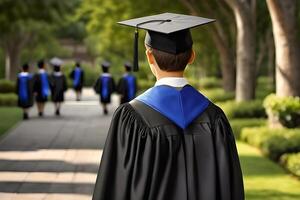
{"x":136,"y":51}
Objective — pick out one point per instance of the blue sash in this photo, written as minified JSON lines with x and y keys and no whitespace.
{"x":23,"y":87}
{"x":77,"y":76}
{"x":45,"y":85}
{"x":180,"y":106}
{"x":104,"y":86}
{"x":130,"y":79}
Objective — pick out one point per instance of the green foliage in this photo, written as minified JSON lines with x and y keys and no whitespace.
{"x":9,"y":116}
{"x":238,"y":124}
{"x":264,"y":87}
{"x":246,"y":109}
{"x":273,"y":142}
{"x":217,"y":94}
{"x":7,"y":86}
{"x":291,"y":162}
{"x":205,"y":82}
{"x":9,"y":99}
{"x":285,"y":109}
{"x":264,"y":179}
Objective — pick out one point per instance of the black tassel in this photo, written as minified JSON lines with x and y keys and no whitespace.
{"x":136,"y":51}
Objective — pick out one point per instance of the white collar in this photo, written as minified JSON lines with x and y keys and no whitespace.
{"x":106,"y":74}
{"x":172,"y":81}
{"x":24,"y":73}
{"x":42,"y":71}
{"x":57,"y":73}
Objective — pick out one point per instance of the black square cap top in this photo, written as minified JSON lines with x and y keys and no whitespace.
{"x":167,"y":22}
{"x":168,"y":32}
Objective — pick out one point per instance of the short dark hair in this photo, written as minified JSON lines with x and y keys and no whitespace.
{"x":105,"y":69}
{"x":25,"y":67}
{"x":171,"y":62}
{"x":40,"y":64}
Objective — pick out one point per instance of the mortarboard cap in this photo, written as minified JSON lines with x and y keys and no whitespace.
{"x":105,"y":64}
{"x":168,"y":32}
{"x":56,"y":61}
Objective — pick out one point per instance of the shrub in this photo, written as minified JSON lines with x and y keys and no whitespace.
{"x":247,"y":109}
{"x":238,"y":124}
{"x":217,"y":95}
{"x":291,"y":162}
{"x":210,"y":83}
{"x":284,"y":110}
{"x":264,"y":87}
{"x":7,"y":86}
{"x":9,"y":99}
{"x":273,"y":142}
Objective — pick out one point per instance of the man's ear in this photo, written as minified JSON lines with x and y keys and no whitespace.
{"x":150,"y":57}
{"x":192,"y":58}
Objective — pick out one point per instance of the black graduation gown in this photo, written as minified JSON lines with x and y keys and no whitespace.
{"x":58,"y":85}
{"x":123,"y":90}
{"x":148,"y":157}
{"x":29,"y":85}
{"x":79,"y":86}
{"x":38,"y":88}
{"x":99,"y":88}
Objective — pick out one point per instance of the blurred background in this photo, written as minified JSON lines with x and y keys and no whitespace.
{"x":248,"y":63}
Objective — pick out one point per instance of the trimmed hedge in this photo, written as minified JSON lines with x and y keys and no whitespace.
{"x":273,"y":142}
{"x":283,"y":110}
{"x":247,"y":109}
{"x":238,"y":124}
{"x":9,"y":99}
{"x":217,"y":95}
{"x":291,"y":162}
{"x":7,"y":86}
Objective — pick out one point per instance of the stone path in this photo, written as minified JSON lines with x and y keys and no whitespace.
{"x":55,"y":157}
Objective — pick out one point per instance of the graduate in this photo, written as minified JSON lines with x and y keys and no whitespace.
{"x":41,"y":87}
{"x":171,"y":142}
{"x":77,"y":75}
{"x":24,"y":89}
{"x":127,"y":86}
{"x":58,"y":84}
{"x":105,"y":86}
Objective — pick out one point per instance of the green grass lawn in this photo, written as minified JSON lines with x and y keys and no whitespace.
{"x":9,"y":116}
{"x":265,"y":180}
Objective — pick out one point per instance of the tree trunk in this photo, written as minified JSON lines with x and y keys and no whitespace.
{"x":227,"y":63}
{"x":271,"y":60}
{"x":246,"y":47}
{"x":284,"y":21}
{"x":14,"y":64}
{"x":221,"y":42}
{"x":7,"y":65}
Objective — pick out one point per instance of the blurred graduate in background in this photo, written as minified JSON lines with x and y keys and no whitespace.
{"x":41,"y":87}
{"x":127,"y":85}
{"x":105,"y":86}
{"x":77,"y":75}
{"x":58,"y":84}
{"x":24,"y":90}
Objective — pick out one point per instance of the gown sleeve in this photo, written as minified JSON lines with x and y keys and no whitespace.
{"x":97,"y":86}
{"x":228,"y":166}
{"x":65,"y":86}
{"x":114,"y":180}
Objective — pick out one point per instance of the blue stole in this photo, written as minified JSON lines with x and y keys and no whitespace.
{"x":44,"y":84}
{"x":23,"y":87}
{"x":104,"y":86}
{"x":130,"y":79}
{"x":77,"y":76}
{"x":180,"y":106}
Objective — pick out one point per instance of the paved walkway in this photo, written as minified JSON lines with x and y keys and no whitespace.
{"x":55,"y":157}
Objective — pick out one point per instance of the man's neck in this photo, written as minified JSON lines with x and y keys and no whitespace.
{"x":164,"y":74}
